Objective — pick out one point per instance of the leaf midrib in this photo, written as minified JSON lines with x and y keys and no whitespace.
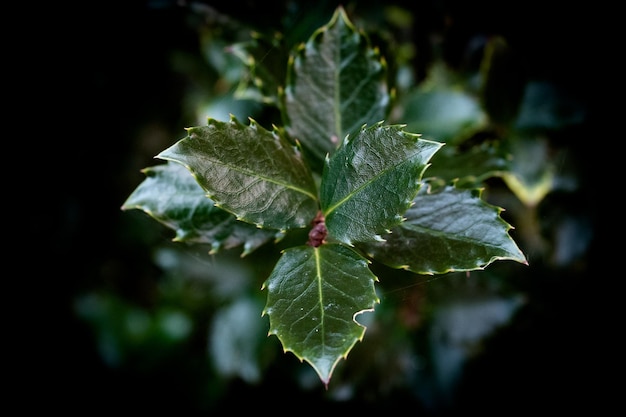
{"x":318,"y":269}
{"x":252,"y":174}
{"x":330,"y":209}
{"x":449,"y":236}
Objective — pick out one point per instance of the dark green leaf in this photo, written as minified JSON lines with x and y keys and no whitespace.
{"x":172,"y":196}
{"x":471,"y":166}
{"x":443,"y":114}
{"x":533,"y":171}
{"x":371,"y":180}
{"x":265,"y":59}
{"x":313,"y":298}
{"x":335,"y":84}
{"x":250,"y":172}
{"x":546,"y":107}
{"x":237,"y":334}
{"x":449,"y":230}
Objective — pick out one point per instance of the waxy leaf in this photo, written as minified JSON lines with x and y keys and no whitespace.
{"x":449,"y":230}
{"x":371,"y":180}
{"x":335,"y":84}
{"x":172,"y":196}
{"x":313,"y":297}
{"x":250,"y":172}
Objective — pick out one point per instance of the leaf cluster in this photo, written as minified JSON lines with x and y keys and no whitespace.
{"x":363,"y":187}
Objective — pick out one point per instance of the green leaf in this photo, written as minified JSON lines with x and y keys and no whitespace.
{"x":250,"y":172}
{"x":533,"y":171}
{"x":443,"y":114}
{"x":470,"y":166}
{"x":237,"y":334}
{"x":172,"y":196}
{"x":335,"y":84}
{"x":449,"y":230}
{"x":371,"y":180}
{"x":546,"y":107}
{"x":265,"y":59}
{"x":314,"y":295}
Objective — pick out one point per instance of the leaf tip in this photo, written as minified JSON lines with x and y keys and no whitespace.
{"x":254,"y":125}
{"x":279,"y":235}
{"x":247,"y":250}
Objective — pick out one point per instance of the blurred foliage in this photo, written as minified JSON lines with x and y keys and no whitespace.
{"x":162,"y":326}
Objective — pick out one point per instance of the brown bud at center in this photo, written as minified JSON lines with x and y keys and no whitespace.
{"x":318,"y":231}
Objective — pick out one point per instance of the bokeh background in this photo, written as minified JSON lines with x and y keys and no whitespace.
{"x":133,"y":322}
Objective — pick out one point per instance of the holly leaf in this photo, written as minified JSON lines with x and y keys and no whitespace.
{"x":264,"y":56}
{"x":470,"y":167}
{"x":313,"y":297}
{"x":534,"y":171}
{"x":253,"y":173}
{"x":371,"y":181}
{"x":445,"y":231}
{"x":172,"y":196}
{"x":446,"y":114}
{"x":335,"y":84}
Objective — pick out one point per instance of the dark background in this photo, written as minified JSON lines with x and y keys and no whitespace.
{"x":110,"y":81}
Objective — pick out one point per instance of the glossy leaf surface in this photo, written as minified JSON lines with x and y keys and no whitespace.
{"x":230,"y":184}
{"x":449,"y":230}
{"x":335,"y":84}
{"x":371,"y":180}
{"x":313,"y":298}
{"x":172,"y":196}
{"x":250,"y":172}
